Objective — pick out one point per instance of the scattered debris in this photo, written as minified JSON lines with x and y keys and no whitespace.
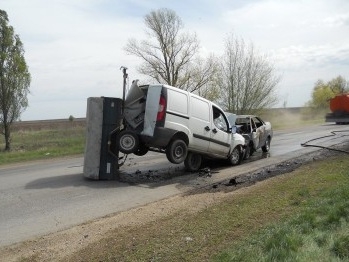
{"x":188,"y":239}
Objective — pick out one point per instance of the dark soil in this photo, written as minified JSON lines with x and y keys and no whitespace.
{"x":248,"y":179}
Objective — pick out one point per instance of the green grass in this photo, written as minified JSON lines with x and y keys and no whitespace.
{"x":43,"y":144}
{"x":302,"y":216}
{"x":319,"y":231}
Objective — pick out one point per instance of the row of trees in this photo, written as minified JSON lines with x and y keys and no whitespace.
{"x":241,"y":81}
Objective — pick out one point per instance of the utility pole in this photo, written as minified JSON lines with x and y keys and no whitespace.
{"x":124,"y":87}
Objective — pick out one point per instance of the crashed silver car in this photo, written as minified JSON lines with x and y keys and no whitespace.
{"x":257,"y":133}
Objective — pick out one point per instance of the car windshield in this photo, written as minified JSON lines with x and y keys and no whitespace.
{"x":241,"y":121}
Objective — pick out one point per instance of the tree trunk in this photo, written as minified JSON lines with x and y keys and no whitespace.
{"x":7,"y":137}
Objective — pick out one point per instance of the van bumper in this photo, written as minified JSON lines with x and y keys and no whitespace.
{"x":162,"y":136}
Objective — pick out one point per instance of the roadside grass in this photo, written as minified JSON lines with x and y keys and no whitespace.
{"x":320,"y":232}
{"x":43,"y":144}
{"x":301,"y":216}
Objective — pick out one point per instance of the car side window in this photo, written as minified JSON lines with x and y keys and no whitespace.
{"x":219,"y":119}
{"x":257,"y":122}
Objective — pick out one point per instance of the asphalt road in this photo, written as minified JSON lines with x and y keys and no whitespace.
{"x":46,"y":196}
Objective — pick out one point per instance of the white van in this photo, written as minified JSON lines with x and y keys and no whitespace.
{"x":185,"y":126}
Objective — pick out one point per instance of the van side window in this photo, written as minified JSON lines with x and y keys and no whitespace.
{"x":219,"y":120}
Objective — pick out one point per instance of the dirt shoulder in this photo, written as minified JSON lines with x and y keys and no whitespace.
{"x":57,"y":246}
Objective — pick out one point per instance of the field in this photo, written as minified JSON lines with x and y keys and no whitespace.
{"x":44,"y":139}
{"x":33,"y":140}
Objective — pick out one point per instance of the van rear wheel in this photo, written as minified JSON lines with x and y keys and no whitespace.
{"x":128,"y":141}
{"x":193,"y":162}
{"x":176,"y":151}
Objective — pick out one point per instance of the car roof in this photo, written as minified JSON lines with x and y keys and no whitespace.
{"x":244,"y":116}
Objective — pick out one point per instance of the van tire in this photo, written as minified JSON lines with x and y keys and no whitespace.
{"x":176,"y":151}
{"x":235,"y":156}
{"x":141,"y":150}
{"x":128,"y":142}
{"x":193,"y":162}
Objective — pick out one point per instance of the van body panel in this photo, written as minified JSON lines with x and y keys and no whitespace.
{"x":180,"y":126}
{"x":177,"y":101}
{"x":162,"y":136}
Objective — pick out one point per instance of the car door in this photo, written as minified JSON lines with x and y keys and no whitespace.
{"x":255,"y":134}
{"x":220,"y":134}
{"x":260,"y":130}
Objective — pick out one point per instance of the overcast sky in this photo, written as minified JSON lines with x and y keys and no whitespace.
{"x":74,"y":48}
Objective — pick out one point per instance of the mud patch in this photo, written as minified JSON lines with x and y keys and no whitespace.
{"x":248,"y":179}
{"x":151,"y":176}
{"x":177,"y":173}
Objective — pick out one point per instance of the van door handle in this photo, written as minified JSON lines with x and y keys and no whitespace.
{"x":214,"y":131}
{"x":207,"y":128}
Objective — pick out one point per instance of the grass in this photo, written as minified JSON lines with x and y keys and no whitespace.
{"x":43,"y":144}
{"x":302,"y":216}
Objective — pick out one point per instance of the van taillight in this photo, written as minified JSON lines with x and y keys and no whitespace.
{"x":162,"y":108}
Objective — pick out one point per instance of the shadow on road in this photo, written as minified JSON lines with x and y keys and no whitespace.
{"x":72,"y":180}
{"x":143,"y":177}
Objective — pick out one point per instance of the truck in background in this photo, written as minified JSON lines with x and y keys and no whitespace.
{"x":339,"y":106}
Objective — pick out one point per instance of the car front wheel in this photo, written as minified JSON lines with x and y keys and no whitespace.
{"x":266,"y":146}
{"x":247,"y":152}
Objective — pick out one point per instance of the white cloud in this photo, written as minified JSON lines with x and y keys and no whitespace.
{"x":74,"y":48}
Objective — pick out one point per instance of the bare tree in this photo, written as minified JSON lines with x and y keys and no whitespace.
{"x":247,"y":80}
{"x":14,"y":78}
{"x":169,"y":55}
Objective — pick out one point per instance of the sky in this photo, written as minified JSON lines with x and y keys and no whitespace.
{"x":75,"y":48}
